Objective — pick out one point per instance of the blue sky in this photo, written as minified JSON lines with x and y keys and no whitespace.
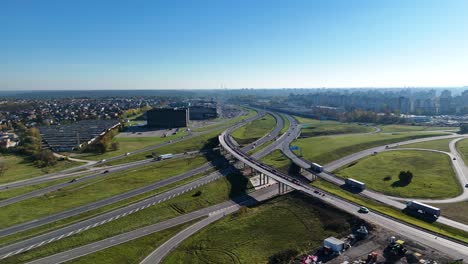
{"x":234,"y":44}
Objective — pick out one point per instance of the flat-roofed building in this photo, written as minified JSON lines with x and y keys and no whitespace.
{"x":167,"y":117}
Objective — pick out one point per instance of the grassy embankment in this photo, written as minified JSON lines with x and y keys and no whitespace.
{"x":462,"y":148}
{"x":227,"y":122}
{"x":409,"y":128}
{"x":313,"y":128}
{"x":254,"y":130}
{"x":325,"y":149}
{"x":212,"y":193}
{"x":93,"y":190}
{"x":440,"y":144}
{"x":455,"y":211}
{"x":21,"y":168}
{"x":295,"y":221}
{"x":387,"y":210}
{"x":433,"y":175}
{"x":393,"y":212}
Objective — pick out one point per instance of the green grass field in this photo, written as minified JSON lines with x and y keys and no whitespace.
{"x":212,"y":193}
{"x":294,"y":221}
{"x":93,"y":190}
{"x":21,"y":168}
{"x":462,"y":148}
{"x":313,"y":128}
{"x":227,"y":122}
{"x":254,"y":130}
{"x":390,"y":211}
{"x":278,"y":160}
{"x":326,"y":149}
{"x":129,"y":144}
{"x":455,"y":211}
{"x":6,"y":194}
{"x":440,"y":144}
{"x":133,"y":251}
{"x":204,"y":141}
{"x":286,"y":125}
{"x":409,"y":128}
{"x":433,"y":175}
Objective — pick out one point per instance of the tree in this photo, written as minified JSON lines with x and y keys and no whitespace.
{"x":405,"y":177}
{"x":45,"y":158}
{"x":464,"y":128}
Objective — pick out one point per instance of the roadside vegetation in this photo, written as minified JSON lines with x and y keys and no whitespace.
{"x":96,"y":189}
{"x":207,"y":195}
{"x":393,"y":212}
{"x":278,"y":160}
{"x":227,"y":122}
{"x":18,"y":167}
{"x":432,"y":174}
{"x":440,"y":144}
{"x":325,"y":149}
{"x":254,"y":130}
{"x":259,"y":234}
{"x":409,"y":128}
{"x":133,"y":251}
{"x":286,"y":125}
{"x":454,"y":211}
{"x":462,"y":148}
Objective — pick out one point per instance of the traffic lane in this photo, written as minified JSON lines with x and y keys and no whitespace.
{"x":122,"y":238}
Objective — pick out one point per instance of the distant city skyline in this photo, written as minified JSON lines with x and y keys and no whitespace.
{"x":54,"y":45}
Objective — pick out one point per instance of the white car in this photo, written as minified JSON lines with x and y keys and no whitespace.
{"x":128,"y":153}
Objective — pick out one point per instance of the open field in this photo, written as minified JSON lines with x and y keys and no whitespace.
{"x":294,"y":221}
{"x":133,"y":251}
{"x":212,"y":193}
{"x":20,"y":168}
{"x":313,"y":127}
{"x":409,"y":128}
{"x":93,"y":190}
{"x":433,"y":175}
{"x":129,"y":144}
{"x":462,"y":148}
{"x":455,"y":211}
{"x":254,"y":130}
{"x":326,"y":149}
{"x":205,"y":141}
{"x":440,"y":144}
{"x":390,"y":211}
{"x":6,"y":194}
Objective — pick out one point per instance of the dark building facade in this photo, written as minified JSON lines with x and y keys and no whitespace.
{"x":202,"y":112}
{"x":167,"y":117}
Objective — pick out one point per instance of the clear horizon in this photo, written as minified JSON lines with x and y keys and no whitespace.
{"x":53,"y":45}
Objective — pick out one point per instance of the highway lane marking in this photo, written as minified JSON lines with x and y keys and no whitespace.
{"x":60,"y":237}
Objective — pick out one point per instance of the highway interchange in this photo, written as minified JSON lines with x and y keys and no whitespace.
{"x":213,"y":213}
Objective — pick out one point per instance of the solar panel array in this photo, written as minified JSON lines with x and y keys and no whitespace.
{"x":68,"y":137}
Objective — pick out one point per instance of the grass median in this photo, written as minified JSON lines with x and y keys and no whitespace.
{"x":392,"y":212}
{"x":210,"y":194}
{"x":433,"y":175}
{"x":440,"y":144}
{"x":254,"y":130}
{"x":96,"y":189}
{"x":462,"y":148}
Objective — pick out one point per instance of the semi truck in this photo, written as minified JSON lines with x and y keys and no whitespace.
{"x":165,"y":156}
{"x":355,"y":184}
{"x":316,"y":167}
{"x":423,"y":208}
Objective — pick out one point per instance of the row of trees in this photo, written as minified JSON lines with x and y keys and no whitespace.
{"x":104,"y":143}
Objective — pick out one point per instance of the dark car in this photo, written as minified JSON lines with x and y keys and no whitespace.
{"x":104,"y":172}
{"x":73,"y":180}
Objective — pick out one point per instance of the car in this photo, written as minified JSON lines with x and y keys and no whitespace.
{"x":363,"y":210}
{"x":466,"y":185}
{"x":103,"y":160}
{"x":106,"y":171}
{"x":128,"y":153}
{"x":73,"y":180}
{"x":386,"y":147}
{"x":454,"y":158}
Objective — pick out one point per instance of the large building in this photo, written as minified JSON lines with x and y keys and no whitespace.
{"x":202,"y":112}
{"x":167,"y":117}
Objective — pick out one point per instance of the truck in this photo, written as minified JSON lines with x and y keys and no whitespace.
{"x":423,"y":208}
{"x":355,"y":184}
{"x":316,"y":167}
{"x":164,"y":156}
